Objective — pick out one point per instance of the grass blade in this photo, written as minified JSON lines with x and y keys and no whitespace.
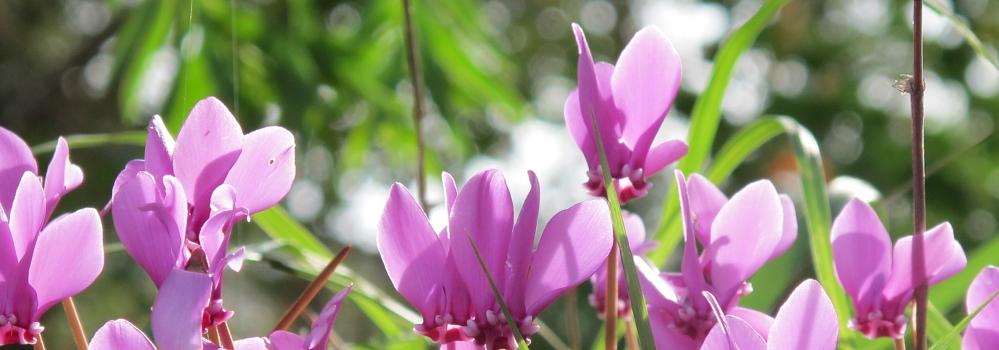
{"x":952,"y":336}
{"x":510,"y":321}
{"x":134,"y":138}
{"x":962,"y":28}
{"x":937,"y":327}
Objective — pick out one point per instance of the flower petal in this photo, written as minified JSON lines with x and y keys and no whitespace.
{"x":983,"y":331}
{"x":944,"y":257}
{"x":861,"y":253}
{"x":462,"y":345}
{"x":151,"y":225}
{"x":255,"y":343}
{"x":734,"y":331}
{"x":450,"y":190}
{"x":518,"y":261}
{"x":120,"y":334}
{"x":282,"y":340}
{"x":159,"y":149}
{"x":706,"y":200}
{"x":634,"y":228}
{"x":27,"y":214}
{"x":61,"y":176}
{"x":323,"y":325}
{"x":208,"y":145}
{"x":573,"y":246}
{"x":265,"y":169}
{"x":690,"y":266}
{"x":178,"y":310}
{"x":807,"y":320}
{"x":596,"y":102}
{"x":666,"y":338}
{"x":17,"y":159}
{"x":663,"y":155}
{"x":644,"y":84}
{"x":760,"y":322}
{"x":131,"y":169}
{"x":68,"y":257}
{"x":790,"y":233}
{"x":411,"y":251}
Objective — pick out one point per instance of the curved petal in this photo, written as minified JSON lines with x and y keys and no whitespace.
{"x":483,"y":211}
{"x":595,"y":100}
{"x":450,"y":190}
{"x":944,"y":257}
{"x":760,"y":322}
{"x":462,"y":345}
{"x":265,"y":169}
{"x":207,"y":146}
{"x":255,"y":343}
{"x":518,"y":261}
{"x":644,"y":85}
{"x":984,"y":328}
{"x":634,"y":228}
{"x":690,"y":266}
{"x":323,"y":325}
{"x":68,"y":257}
{"x":744,"y":235}
{"x":61,"y":176}
{"x":979,"y":338}
{"x":790,"y":233}
{"x":282,"y":340}
{"x":662,"y":155}
{"x":27,"y":214}
{"x":706,"y":200}
{"x":178,"y":310}
{"x":131,"y":169}
{"x":410,"y":250}
{"x":17,"y":159}
{"x":734,"y":331}
{"x":807,"y":320}
{"x":152,"y":226}
{"x":159,"y":149}
{"x":573,"y":246}
{"x":861,"y":253}
{"x":657,"y":292}
{"x":120,"y":334}
{"x":581,"y":126}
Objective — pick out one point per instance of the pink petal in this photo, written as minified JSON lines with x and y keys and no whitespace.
{"x":178,"y":310}
{"x":483,"y":211}
{"x":861,"y":253}
{"x":666,"y":338}
{"x":68,"y":256}
{"x":27,"y":214}
{"x":734,"y":331}
{"x":573,"y":246}
{"x":760,"y":322}
{"x":450,"y":190}
{"x":411,"y":251}
{"x":595,"y":101}
{"x":944,"y":258}
{"x":17,"y":159}
{"x":744,"y":235}
{"x":657,"y":292}
{"x":131,"y":169}
{"x":263,"y":174}
{"x":634,"y":228}
{"x":120,"y":334}
{"x":61,"y":176}
{"x":807,"y":320}
{"x":706,"y":200}
{"x":983,"y":331}
{"x":462,"y":345}
{"x":159,"y":149}
{"x":790,"y":227}
{"x":322,"y":326}
{"x":644,"y":84}
{"x":518,"y":261}
{"x":976,"y":338}
{"x":208,"y":145}
{"x":663,"y":155}
{"x":255,"y":343}
{"x":282,"y":340}
{"x":690,"y":267}
{"x":152,"y":225}
{"x":214,"y":234}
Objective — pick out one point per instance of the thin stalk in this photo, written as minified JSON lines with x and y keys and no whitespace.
{"x":572,"y":318}
{"x":39,"y":343}
{"x":213,"y":335}
{"x":74,"y":322}
{"x":630,"y":337}
{"x":900,"y":344}
{"x":225,"y":337}
{"x":916,"y":87}
{"x":311,"y":291}
{"x":416,"y":77}
{"x":610,"y":300}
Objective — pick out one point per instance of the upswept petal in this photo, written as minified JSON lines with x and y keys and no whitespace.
{"x":61,"y":176}
{"x":983,"y":331}
{"x":572,"y":247}
{"x":151,"y":226}
{"x":690,"y":266}
{"x":595,"y":97}
{"x":518,"y":261}
{"x":760,"y":322}
{"x":706,"y":200}
{"x":944,"y":257}
{"x":178,"y":310}
{"x":790,"y":233}
{"x":68,"y":256}
{"x":27,"y":214}
{"x":214,"y":234}
{"x":410,"y":250}
{"x":483,"y":212}
{"x":17,"y":159}
{"x":450,"y":190}
{"x":580,"y":124}
{"x":661,"y":156}
{"x":268,"y":157}
{"x":807,"y":320}
{"x":744,"y":235}
{"x":733,"y":334}
{"x":159,"y":149}
{"x":861,"y":253}
{"x":323,"y":325}
{"x":644,"y":84}
{"x":207,"y":146}
{"x":120,"y":334}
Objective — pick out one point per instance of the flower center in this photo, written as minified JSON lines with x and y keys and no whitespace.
{"x":11,"y":332}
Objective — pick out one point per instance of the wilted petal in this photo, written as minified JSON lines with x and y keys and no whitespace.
{"x":572,"y":247}
{"x":983,"y":331}
{"x":27,"y":213}
{"x":410,"y":250}
{"x":734,"y":331}
{"x":663,"y":155}
{"x":120,"y":334}
{"x":744,"y":235}
{"x":518,"y":261}
{"x":807,"y":320}
{"x":61,"y":176}
{"x":178,"y":310}
{"x":861,"y":252}
{"x":17,"y":159}
{"x":68,"y":256}
{"x":159,"y":149}
{"x":944,"y":257}
{"x":706,"y":201}
{"x":151,"y":227}
{"x":268,"y":157}
{"x":207,"y":146}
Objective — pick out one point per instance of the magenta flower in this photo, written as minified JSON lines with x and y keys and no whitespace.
{"x":440,"y":275}
{"x":177,"y":315}
{"x":635,"y":229}
{"x":176,"y":207}
{"x":738,"y":236}
{"x":629,"y":103}
{"x":983,"y":330}
{"x":41,"y":264}
{"x":880,"y":281}
{"x":807,"y":320}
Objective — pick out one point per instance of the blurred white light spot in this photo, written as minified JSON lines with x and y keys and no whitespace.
{"x":946,"y":103}
{"x":326,"y":93}
{"x":875,"y":91}
{"x":89,"y":17}
{"x":272,"y":114}
{"x":980,"y":225}
{"x":789,"y":78}
{"x":867,"y":16}
{"x":552,"y":94}
{"x":742,"y":102}
{"x":344,"y":19}
{"x":854,"y":188}
{"x":496,"y":15}
{"x":317,"y":164}
{"x":552,"y":23}
{"x":305,"y":199}
{"x":599,"y":17}
{"x":157,"y":79}
{"x":689,"y":26}
{"x":190,"y":46}
{"x":357,"y":222}
{"x":843,"y":144}
{"x":97,"y":74}
{"x":982,"y":77}
{"x":936,"y":27}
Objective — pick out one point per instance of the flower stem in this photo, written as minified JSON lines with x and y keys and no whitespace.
{"x":416,"y":78}
{"x":39,"y":343}
{"x":630,"y":338}
{"x":225,"y":337}
{"x":900,"y":344}
{"x":915,"y":88}
{"x":610,"y":300}
{"x":311,"y":291}
{"x":74,"y":322}
{"x":572,"y":318}
{"x":213,"y":335}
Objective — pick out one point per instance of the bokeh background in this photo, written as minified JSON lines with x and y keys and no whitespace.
{"x":497,"y":75}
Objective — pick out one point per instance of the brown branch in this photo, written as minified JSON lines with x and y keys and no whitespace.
{"x":74,"y":322}
{"x":311,"y":291}
{"x":916,"y":87}
{"x":610,"y":300}
{"x":416,"y":78}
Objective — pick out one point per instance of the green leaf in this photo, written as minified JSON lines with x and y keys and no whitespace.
{"x":511,"y":322}
{"x":704,"y":120}
{"x":937,"y":327}
{"x":134,"y":138}
{"x":153,"y":36}
{"x":958,"y":23}
{"x":741,"y":145}
{"x":945,"y":342}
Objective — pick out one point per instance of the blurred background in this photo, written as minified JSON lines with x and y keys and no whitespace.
{"x":497,"y":76}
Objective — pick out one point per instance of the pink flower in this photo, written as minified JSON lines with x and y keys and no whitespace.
{"x":175,"y":209}
{"x":983,"y":331}
{"x":879,"y":281}
{"x":629,"y":103}
{"x":440,"y":275}
{"x":41,"y":264}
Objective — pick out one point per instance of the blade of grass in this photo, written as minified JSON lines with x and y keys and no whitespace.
{"x":311,"y":291}
{"x":961,"y":27}
{"x":510,"y":321}
{"x":938,"y":327}
{"x":704,"y":120}
{"x":950,"y":293}
{"x":134,"y":138}
{"x":952,"y":336}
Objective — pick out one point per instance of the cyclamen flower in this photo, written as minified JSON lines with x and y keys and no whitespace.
{"x":983,"y":330}
{"x":176,"y":322}
{"x":738,"y":236}
{"x":440,"y":274}
{"x":41,"y":264}
{"x":175,"y":209}
{"x":635,"y":229}
{"x":629,"y":103}
{"x":807,"y":320}
{"x":880,"y":281}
